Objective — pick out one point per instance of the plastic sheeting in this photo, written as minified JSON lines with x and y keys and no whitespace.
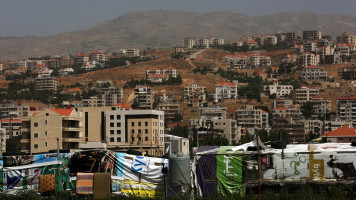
{"x":138,"y":175}
{"x":305,"y":162}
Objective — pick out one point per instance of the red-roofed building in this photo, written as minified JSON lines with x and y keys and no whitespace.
{"x":41,"y":130}
{"x":157,"y":76}
{"x":97,"y":56}
{"x":286,"y":112}
{"x":74,"y":91}
{"x":347,"y":38}
{"x":225,"y":90}
{"x":343,"y":134}
{"x":194,"y":95}
{"x":123,"y":105}
{"x":81,"y":59}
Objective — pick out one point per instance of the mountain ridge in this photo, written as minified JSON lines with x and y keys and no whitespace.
{"x":164,"y":28}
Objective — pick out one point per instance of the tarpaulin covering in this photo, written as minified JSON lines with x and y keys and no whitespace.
{"x":130,"y":174}
{"x":226,"y":169}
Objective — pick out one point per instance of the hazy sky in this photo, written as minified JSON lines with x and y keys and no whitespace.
{"x":49,"y":17}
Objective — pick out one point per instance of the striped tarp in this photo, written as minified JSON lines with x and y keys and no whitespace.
{"x":84,"y":183}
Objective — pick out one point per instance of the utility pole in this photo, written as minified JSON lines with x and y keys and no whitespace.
{"x":258,"y":161}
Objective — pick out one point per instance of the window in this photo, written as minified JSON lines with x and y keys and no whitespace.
{"x":45,"y":122}
{"x":47,"y":114}
{"x":118,"y":131}
{"x":118,"y":116}
{"x":146,"y":131}
{"x":45,"y":133}
{"x":112,"y":125}
{"x":139,"y":139}
{"x":146,"y":123}
{"x":139,"y":123}
{"x":35,"y":135}
{"x":118,"y":139}
{"x":35,"y":146}
{"x":133,"y":139}
{"x":112,"y":139}
{"x":35,"y":124}
{"x":45,"y":144}
{"x":118,"y":124}
{"x":146,"y":138}
{"x":132,"y":123}
{"x":112,"y":132}
{"x":111,"y":117}
{"x":139,"y":131}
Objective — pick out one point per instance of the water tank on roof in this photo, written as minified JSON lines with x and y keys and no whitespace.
{"x":179,"y":171}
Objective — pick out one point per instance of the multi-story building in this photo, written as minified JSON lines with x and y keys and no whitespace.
{"x":81,"y":59}
{"x":314,"y":126}
{"x":141,"y":130}
{"x":309,"y":59}
{"x":347,"y":73}
{"x":218,"y":41}
{"x":12,"y":126}
{"x":225,"y":90}
{"x":46,"y":83}
{"x":53,"y":63}
{"x":2,"y":141}
{"x":10,"y":110}
{"x":111,"y":95}
{"x":311,"y":73}
{"x":292,"y":112}
{"x":65,"y":62}
{"x":1,"y":67}
{"x":45,"y":129}
{"x":343,"y":134}
{"x":346,"y":109}
{"x":347,"y":38}
{"x":189,"y":43}
{"x":333,"y":125}
{"x":324,"y":52}
{"x":309,"y":46}
{"x":259,"y":61}
{"x":289,"y":59}
{"x":211,"y":112}
{"x":170,"y":109}
{"x":279,"y":90}
{"x":205,"y":42}
{"x":98,"y":57}
{"x":270,"y":40}
{"x":311,"y":35}
{"x":303,"y":94}
{"x":321,"y":106}
{"x":131,"y":52}
{"x":282,"y":102}
{"x":143,"y":96}
{"x":250,"y":117}
{"x":156,"y":75}
{"x":194,"y":95}
{"x":65,"y":71}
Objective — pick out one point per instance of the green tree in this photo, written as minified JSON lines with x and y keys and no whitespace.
{"x":307,"y":109}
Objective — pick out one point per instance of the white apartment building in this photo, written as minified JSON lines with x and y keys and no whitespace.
{"x":347,"y":38}
{"x":321,"y":106}
{"x":81,"y":59}
{"x":189,"y":43}
{"x":225,"y":90}
{"x":279,"y":90}
{"x":311,"y":73}
{"x":311,"y":35}
{"x":132,"y":52}
{"x":260,"y":61}
{"x":303,"y":94}
{"x":194,"y":95}
{"x":175,"y":144}
{"x":346,"y":109}
{"x":309,"y":59}
{"x":143,"y":96}
{"x":309,"y":46}
{"x":98,"y":57}
{"x":156,"y":75}
{"x":250,"y":117}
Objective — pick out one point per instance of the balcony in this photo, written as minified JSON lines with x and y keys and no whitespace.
{"x":78,"y":139}
{"x":23,"y":141}
{"x":25,"y":130}
{"x":77,"y":129}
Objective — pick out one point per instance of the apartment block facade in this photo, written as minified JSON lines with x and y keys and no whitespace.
{"x":46,"y":83}
{"x":225,"y":90}
{"x":346,"y":109}
{"x":194,"y":95}
{"x":303,"y":94}
{"x":250,"y":117}
{"x":41,"y":130}
{"x":143,"y":96}
{"x":141,"y":130}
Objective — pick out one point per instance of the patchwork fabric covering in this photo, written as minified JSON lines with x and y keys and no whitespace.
{"x":46,"y":183}
{"x":85,"y":183}
{"x":118,"y":173}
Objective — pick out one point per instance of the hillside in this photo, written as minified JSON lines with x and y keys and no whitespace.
{"x":162,"y":28}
